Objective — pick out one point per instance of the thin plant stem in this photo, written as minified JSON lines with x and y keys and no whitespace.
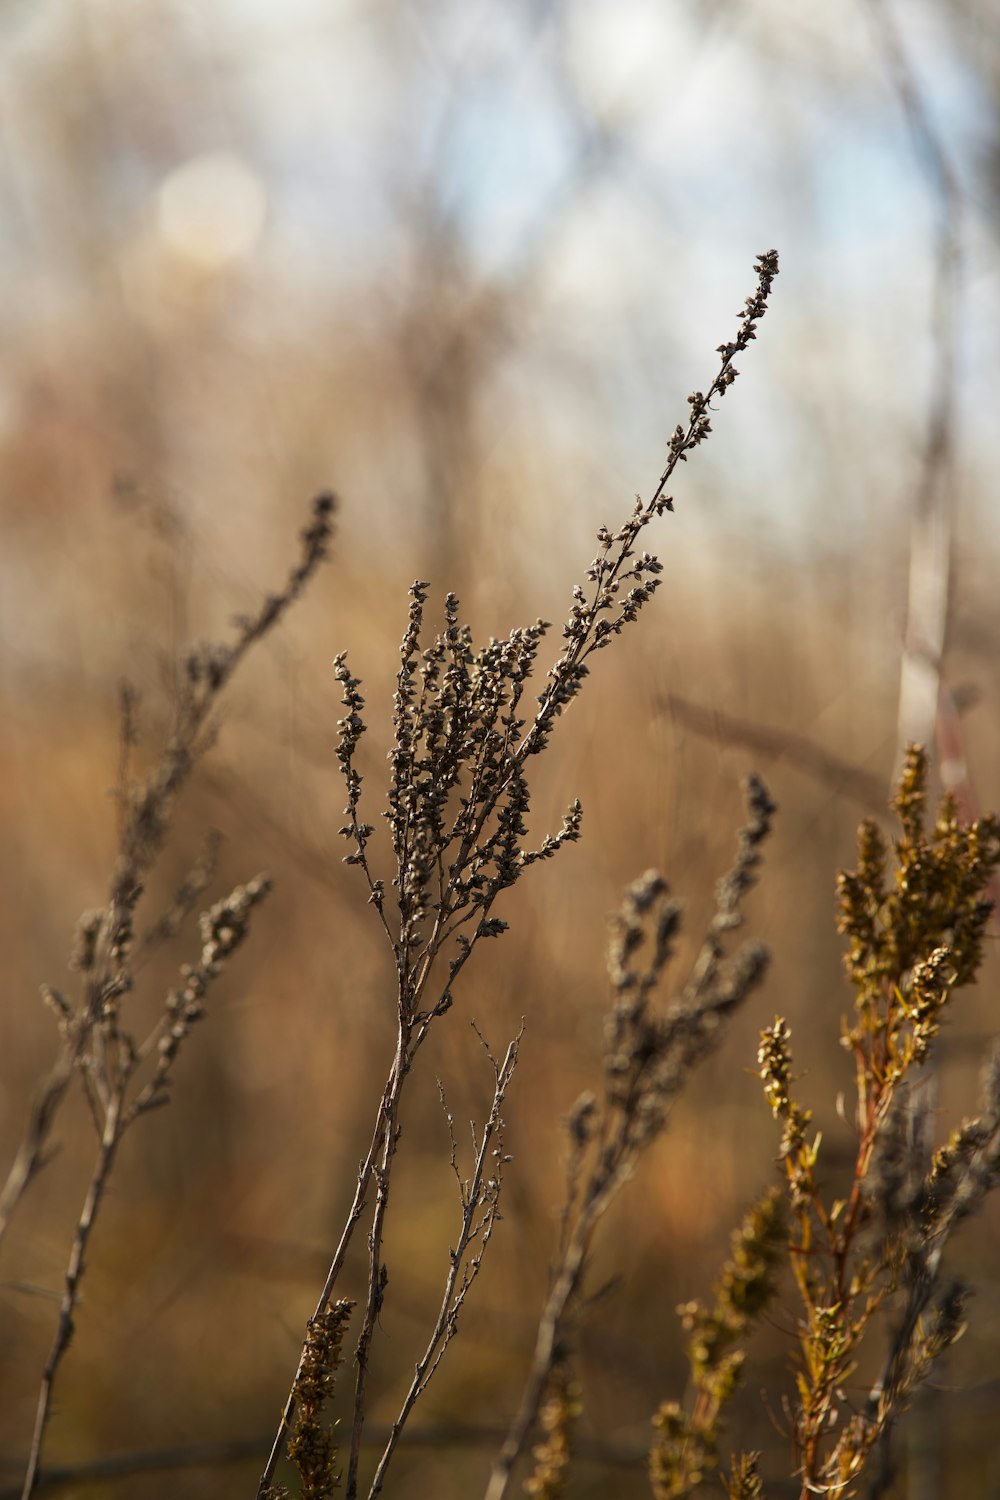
{"x":377,"y":1275}
{"x":563,"y":1292}
{"x":454,"y":1296}
{"x":113,"y":1130}
{"x":357,"y":1208}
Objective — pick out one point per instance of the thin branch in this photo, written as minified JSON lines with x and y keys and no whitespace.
{"x":767,"y":739}
{"x":377,"y":1273}
{"x":357,"y":1208}
{"x":74,"y":1274}
{"x":550,"y":1329}
{"x":438,"y":1436}
{"x":480,"y":1203}
{"x":185,"y":899}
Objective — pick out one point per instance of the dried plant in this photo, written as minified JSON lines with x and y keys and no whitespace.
{"x":479,"y":1196}
{"x":557,"y":1419}
{"x":465,"y":729}
{"x":311,"y":1447}
{"x":464,"y":735}
{"x":915,"y":938}
{"x":870,"y":1258}
{"x":124,"y":1075}
{"x":685,"y":1450}
{"x":648,"y":1055}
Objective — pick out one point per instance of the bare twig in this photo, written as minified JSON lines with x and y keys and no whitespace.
{"x":378,"y":1275}
{"x":126,"y":1465}
{"x":74,"y":1273}
{"x":766,"y":739}
{"x":480,"y":1203}
{"x":185,"y":899}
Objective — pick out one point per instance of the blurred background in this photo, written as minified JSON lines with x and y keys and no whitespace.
{"x":462,"y":261}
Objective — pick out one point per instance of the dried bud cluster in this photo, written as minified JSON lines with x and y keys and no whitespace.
{"x":558,"y":1417}
{"x":649,"y":1054}
{"x":458,"y":793}
{"x":311,"y":1447}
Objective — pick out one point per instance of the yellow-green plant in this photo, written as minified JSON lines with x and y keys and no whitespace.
{"x":552,"y":1454}
{"x":915,"y":926}
{"x":915,"y":935}
{"x":311,"y":1447}
{"x":685,"y":1449}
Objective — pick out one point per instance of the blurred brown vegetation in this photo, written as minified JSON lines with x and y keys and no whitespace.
{"x":484,"y":380}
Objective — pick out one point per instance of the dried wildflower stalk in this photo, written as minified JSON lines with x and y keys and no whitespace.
{"x":685,"y":1451}
{"x":457,"y":802}
{"x":648,"y":1057}
{"x":557,"y":1419}
{"x":914,"y":940}
{"x":95,"y":1045}
{"x":745,"y":1482}
{"x":311,"y":1447}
